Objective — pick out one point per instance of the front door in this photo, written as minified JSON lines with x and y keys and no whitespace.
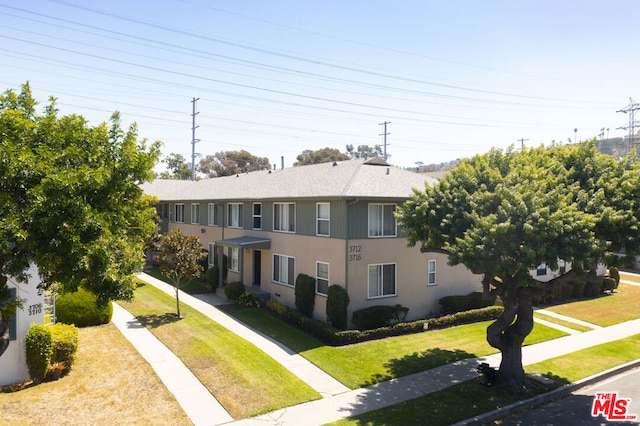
{"x":257,"y":267}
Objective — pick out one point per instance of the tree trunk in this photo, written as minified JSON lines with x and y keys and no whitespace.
{"x":178,"y":301}
{"x":509,"y":331}
{"x":4,"y":334}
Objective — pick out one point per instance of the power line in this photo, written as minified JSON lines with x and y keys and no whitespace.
{"x":630,"y":109}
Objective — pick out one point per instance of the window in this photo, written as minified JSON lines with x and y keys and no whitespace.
{"x":283,"y":269}
{"x":233,"y":258}
{"x":284,"y":217}
{"x":562,"y":266}
{"x":432,"y":272}
{"x":195,"y":214}
{"x":172,"y":215}
{"x":234,"y":217}
{"x":382,"y":280}
{"x":212,"y":215}
{"x":382,"y":223}
{"x":322,"y":278}
{"x":212,"y":254}
{"x":180,"y":213}
{"x":12,"y":321}
{"x":257,"y":215}
{"x":322,"y":219}
{"x":542,"y":269}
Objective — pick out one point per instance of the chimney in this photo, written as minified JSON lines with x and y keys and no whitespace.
{"x":282,"y":162}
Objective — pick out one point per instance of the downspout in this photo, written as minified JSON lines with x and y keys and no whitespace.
{"x":346,"y":246}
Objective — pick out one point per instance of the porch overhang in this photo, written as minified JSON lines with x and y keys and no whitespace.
{"x":250,"y":243}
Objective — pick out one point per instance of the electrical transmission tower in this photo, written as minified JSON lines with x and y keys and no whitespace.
{"x":194,"y":141}
{"x":631,"y":109}
{"x":385,"y":137}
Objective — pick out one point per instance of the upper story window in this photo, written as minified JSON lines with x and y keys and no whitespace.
{"x":382,"y":223}
{"x":212,"y":215}
{"x":322,"y":219}
{"x":195,"y":214}
{"x":284,"y":217}
{"x":322,"y":278}
{"x":257,"y":215}
{"x":431,"y":280}
{"x":382,"y":280}
{"x":284,"y":269}
{"x":234,"y":215}
{"x":541,"y":270}
{"x":180,"y":213}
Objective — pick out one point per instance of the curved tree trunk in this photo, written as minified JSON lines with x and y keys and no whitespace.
{"x":509,"y":331}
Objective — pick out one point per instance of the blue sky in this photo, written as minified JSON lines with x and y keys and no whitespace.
{"x":454,"y":78}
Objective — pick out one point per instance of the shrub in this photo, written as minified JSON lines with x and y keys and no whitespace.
{"x":566,"y":291}
{"x":234,"y":290}
{"x":555,"y":292}
{"x":212,"y":277}
{"x":337,"y":304}
{"x":593,"y":287}
{"x":578,"y":288}
{"x":609,"y":284}
{"x":65,"y":344}
{"x":277,"y":308}
{"x":80,"y":308}
{"x":249,"y":300}
{"x":39,"y":349}
{"x":305,"y":292}
{"x":615,"y":274}
{"x":453,"y":304}
{"x":379,"y":316}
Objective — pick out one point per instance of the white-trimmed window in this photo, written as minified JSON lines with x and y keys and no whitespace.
{"x":541,"y":270}
{"x":257,"y":215}
{"x":233,"y":259}
{"x":562,"y":267}
{"x":195,"y":214}
{"x":322,"y":219}
{"x":431,"y":272}
{"x":172,"y":212}
{"x":212,"y":254}
{"x":180,"y":213}
{"x":212,"y":215}
{"x":234,"y":216}
{"x":284,"y":269}
{"x":284,"y":217}
{"x":382,"y":280}
{"x":322,"y":278}
{"x":382,"y":223}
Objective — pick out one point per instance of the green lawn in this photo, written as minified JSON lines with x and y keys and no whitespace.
{"x":245,"y":380}
{"x":606,"y":310}
{"x":372,"y":362}
{"x":192,"y":286}
{"x":569,"y":324}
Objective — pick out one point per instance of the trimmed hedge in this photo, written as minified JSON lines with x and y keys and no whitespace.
{"x":305,"y":292}
{"x":332,"y":336}
{"x":65,"y":344}
{"x":578,"y":288}
{"x":80,"y":308}
{"x":593,"y":288}
{"x":212,"y":274}
{"x":609,"y":284}
{"x":453,"y":304}
{"x":234,"y":290}
{"x":337,"y":304}
{"x":379,"y":316}
{"x":39,"y":349}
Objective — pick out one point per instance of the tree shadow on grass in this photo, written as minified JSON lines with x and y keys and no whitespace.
{"x":156,"y":320}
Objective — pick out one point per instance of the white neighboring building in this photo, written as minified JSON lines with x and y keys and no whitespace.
{"x":13,"y":365}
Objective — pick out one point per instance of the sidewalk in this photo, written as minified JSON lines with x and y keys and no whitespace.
{"x":339,"y":402}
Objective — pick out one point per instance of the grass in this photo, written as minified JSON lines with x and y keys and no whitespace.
{"x":589,"y":361}
{"x":376,"y":361}
{"x":110,"y":383}
{"x":194,"y":286}
{"x":569,"y":324}
{"x":606,"y":310}
{"x":245,"y":380}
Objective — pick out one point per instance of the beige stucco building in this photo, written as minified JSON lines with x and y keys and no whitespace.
{"x":331,"y":221}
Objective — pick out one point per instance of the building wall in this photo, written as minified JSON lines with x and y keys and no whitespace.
{"x":13,"y":367}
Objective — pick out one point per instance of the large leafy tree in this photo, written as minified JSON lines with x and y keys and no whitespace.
{"x":364,"y":151}
{"x":324,"y":155}
{"x":71,"y":201}
{"x":180,"y":259}
{"x":177,"y":167}
{"x":502,"y":214}
{"x":228,"y":163}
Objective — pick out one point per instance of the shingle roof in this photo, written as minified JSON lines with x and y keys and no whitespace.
{"x":347,"y":179}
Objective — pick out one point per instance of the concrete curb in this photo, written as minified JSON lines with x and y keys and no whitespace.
{"x":558,"y":393}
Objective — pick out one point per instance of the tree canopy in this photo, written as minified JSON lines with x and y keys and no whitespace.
{"x":71,"y":201}
{"x":324,"y":155}
{"x":364,"y":151}
{"x":228,"y":163}
{"x":502,"y":214}
{"x":177,"y":167}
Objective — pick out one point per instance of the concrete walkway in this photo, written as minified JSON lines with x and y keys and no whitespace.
{"x":339,"y":402}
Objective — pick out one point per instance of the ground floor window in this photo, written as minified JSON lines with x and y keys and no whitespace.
{"x":322,"y":278}
{"x":283,"y":269}
{"x":432,"y":272}
{"x":382,"y":280}
{"x":233,"y":259}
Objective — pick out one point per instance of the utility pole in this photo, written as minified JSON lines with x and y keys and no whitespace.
{"x":194,"y":141}
{"x":522,"y":141}
{"x":385,"y":137}
{"x":631,"y":109}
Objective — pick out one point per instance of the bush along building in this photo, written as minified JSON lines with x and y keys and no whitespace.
{"x":333,"y":222}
